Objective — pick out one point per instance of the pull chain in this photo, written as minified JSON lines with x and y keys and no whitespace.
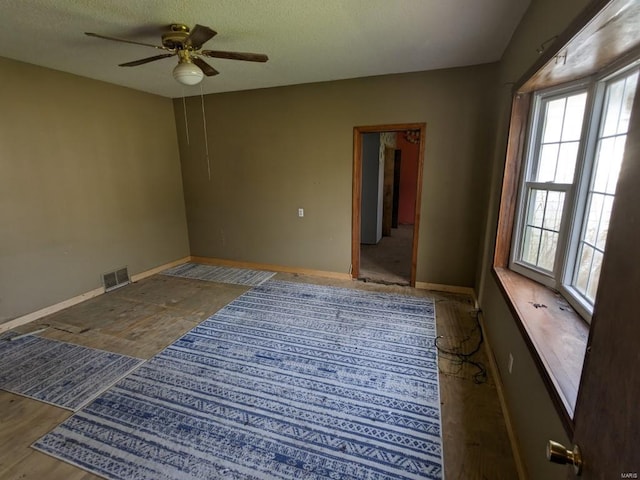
{"x":204,"y":124}
{"x":186,"y":121}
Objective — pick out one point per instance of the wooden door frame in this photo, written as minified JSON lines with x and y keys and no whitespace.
{"x":357,"y":191}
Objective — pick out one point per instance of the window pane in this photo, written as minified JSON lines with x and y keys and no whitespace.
{"x":558,"y":148}
{"x":547,"y":255}
{"x":573,"y":117}
{"x":536,"y":207}
{"x":567,"y":162}
{"x":615,"y":93}
{"x":547,"y":165}
{"x":593,"y":218}
{"x":603,"y":229}
{"x":604,"y":157}
{"x":531,"y":245}
{"x":614,"y":163}
{"x":594,"y":278}
{"x":627,"y":103}
{"x":608,"y":162}
{"x":553,"y":211}
{"x":618,"y":104}
{"x":583,"y":269}
{"x":541,"y":233}
{"x":553,"y":118}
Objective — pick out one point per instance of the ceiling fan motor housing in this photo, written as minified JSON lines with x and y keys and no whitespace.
{"x":177,"y":37}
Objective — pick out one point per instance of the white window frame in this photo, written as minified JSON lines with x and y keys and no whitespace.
{"x":575,"y":201}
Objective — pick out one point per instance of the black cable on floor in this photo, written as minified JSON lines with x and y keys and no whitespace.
{"x":461,"y":358}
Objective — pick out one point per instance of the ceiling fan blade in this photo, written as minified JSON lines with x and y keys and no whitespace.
{"x":199,"y":35}
{"x":249,"y":57}
{"x":208,"y":70}
{"x":160,"y":47}
{"x":142,"y":61}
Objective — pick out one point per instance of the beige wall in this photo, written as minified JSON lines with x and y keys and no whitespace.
{"x":89,"y":182}
{"x":275,"y":150}
{"x":532,"y":411}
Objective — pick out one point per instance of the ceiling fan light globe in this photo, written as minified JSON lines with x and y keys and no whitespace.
{"x":187,"y":73}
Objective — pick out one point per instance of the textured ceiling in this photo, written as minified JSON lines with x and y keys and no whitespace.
{"x":306,"y":40}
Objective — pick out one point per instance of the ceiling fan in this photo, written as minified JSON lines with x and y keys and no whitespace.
{"x":187,"y":45}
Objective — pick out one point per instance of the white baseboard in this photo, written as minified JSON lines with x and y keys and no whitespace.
{"x":43,"y":312}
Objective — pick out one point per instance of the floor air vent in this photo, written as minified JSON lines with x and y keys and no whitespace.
{"x":117,"y":279}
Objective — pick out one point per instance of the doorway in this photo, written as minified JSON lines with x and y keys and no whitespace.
{"x":384,"y":233}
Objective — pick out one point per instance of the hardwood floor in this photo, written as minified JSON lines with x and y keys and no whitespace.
{"x":143,"y":318}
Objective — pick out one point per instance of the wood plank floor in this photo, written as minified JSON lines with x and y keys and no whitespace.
{"x":143,"y":318}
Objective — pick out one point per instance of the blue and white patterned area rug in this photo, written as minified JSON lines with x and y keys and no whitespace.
{"x":59,"y":373}
{"x":212,"y":273}
{"x":289,"y":381}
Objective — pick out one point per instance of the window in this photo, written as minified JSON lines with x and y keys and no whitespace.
{"x":569,"y":121}
{"x":573,"y":158}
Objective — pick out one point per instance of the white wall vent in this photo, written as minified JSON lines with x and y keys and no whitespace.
{"x":117,"y":279}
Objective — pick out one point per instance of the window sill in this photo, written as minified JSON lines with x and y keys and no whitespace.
{"x":555,"y":334}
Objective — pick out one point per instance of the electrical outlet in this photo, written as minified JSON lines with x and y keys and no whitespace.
{"x":510,"y":362}
{"x":301,"y":212}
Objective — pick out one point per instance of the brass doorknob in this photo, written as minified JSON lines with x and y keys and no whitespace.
{"x":558,"y":453}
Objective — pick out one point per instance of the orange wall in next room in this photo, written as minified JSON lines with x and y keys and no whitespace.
{"x":408,"y":175}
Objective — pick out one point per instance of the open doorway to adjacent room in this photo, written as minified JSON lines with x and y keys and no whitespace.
{"x":387,"y":180}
